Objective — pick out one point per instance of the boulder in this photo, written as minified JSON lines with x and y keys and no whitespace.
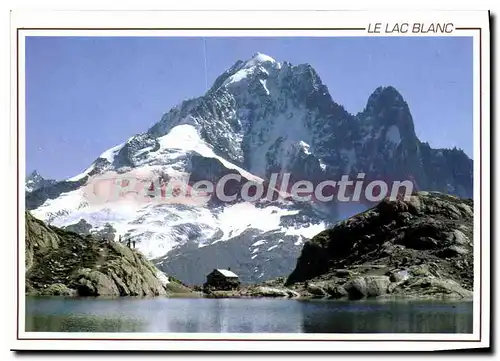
{"x":58,"y":289}
{"x":269,"y":292}
{"x":377,"y":285}
{"x":453,"y":251}
{"x":94,"y":283}
{"x":316,"y":290}
{"x":342,"y":273}
{"x":428,"y":287}
{"x":367,"y":286}
{"x":336,"y":291}
{"x":399,"y":275}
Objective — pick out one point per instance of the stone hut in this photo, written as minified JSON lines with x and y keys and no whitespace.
{"x":222,"y":279}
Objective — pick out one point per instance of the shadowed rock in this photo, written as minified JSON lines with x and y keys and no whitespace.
{"x":61,"y":262}
{"x":420,"y":247}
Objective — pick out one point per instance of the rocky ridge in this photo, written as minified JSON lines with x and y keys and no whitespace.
{"x":60,"y":262}
{"x":34,"y":181}
{"x":421,"y":248}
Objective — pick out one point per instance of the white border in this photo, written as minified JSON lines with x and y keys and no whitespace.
{"x":267,"y":19}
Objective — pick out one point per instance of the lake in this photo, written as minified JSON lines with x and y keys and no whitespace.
{"x":130,"y":314}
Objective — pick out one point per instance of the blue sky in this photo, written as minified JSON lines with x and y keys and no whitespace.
{"x":87,"y":94}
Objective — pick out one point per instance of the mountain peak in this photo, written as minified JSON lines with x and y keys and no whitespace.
{"x":34,"y":180}
{"x":243,"y":68}
{"x":258,"y":59}
{"x":386,"y":96}
{"x":34,"y":175}
{"x":386,"y":107}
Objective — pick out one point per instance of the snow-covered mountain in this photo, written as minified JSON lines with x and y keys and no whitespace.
{"x":34,"y":181}
{"x":260,"y":117}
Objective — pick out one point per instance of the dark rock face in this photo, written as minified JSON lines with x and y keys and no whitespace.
{"x":34,"y":181}
{"x":82,"y":227}
{"x":265,"y":121}
{"x":192,"y":264}
{"x":255,"y":256}
{"x":36,"y":198}
{"x":422,"y":246}
{"x":54,"y":189}
{"x":127,"y":156}
{"x":60,"y":262}
{"x":242,"y":123}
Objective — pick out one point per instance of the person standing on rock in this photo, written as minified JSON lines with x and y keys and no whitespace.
{"x":133,"y":244}
{"x":128,"y":243}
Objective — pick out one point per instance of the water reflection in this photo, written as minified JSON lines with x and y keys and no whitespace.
{"x":231,"y":315}
{"x":387,"y":317}
{"x":243,"y":315}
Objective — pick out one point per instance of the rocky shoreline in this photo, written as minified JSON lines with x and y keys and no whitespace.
{"x":416,"y":249}
{"x":416,"y":282}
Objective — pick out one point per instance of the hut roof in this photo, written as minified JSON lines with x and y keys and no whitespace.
{"x":227,"y":273}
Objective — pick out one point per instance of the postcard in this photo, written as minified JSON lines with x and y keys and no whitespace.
{"x":250,"y":180}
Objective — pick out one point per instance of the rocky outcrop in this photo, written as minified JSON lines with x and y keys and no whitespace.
{"x":263,"y":291}
{"x":81,"y":227}
{"x":367,"y":286}
{"x":422,"y":248}
{"x":61,"y":262}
